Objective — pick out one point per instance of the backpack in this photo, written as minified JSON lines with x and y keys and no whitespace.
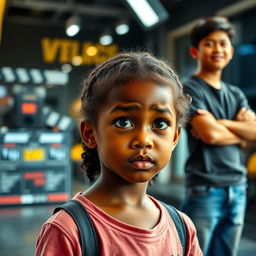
{"x":88,"y":234}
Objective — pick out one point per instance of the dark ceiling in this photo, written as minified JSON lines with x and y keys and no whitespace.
{"x":95,"y":14}
{"x":99,"y":14}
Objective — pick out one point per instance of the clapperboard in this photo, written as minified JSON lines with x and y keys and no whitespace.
{"x":32,"y":76}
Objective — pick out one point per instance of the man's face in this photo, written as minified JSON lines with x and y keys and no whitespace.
{"x":135,"y":131}
{"x":214,"y":51}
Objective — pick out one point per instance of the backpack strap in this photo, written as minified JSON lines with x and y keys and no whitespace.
{"x":179,"y":224}
{"x":88,"y":236}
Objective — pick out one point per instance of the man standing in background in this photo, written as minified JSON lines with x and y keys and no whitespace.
{"x":221,"y":123}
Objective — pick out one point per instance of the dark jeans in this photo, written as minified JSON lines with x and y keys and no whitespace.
{"x":218,"y":214}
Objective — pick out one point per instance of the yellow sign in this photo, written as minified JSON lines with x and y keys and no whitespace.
{"x":66,"y":50}
{"x":2,"y":10}
{"x":33,"y":154}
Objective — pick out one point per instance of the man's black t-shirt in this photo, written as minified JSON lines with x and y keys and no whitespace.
{"x":209,"y":164}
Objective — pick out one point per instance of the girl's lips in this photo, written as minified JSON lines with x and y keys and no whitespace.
{"x":142,"y":164}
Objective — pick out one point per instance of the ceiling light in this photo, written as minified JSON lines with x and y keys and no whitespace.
{"x":122,"y":28}
{"x":106,"y":38}
{"x":73,"y":25}
{"x":149,"y":12}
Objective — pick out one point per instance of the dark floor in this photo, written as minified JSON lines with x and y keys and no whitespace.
{"x":20,"y":226}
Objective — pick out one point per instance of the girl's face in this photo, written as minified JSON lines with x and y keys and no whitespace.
{"x":135,"y":131}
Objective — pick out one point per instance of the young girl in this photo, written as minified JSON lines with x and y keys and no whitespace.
{"x":133,"y":108}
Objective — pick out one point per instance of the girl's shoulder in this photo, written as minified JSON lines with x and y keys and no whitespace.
{"x":192,"y":243}
{"x":63,"y":222}
{"x":58,"y":236}
{"x":187,"y":221}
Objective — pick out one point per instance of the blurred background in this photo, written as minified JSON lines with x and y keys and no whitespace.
{"x":47,"y":47}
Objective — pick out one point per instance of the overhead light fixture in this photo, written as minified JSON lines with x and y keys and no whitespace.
{"x":73,"y":25}
{"x":149,"y":12}
{"x":122,"y":28}
{"x":106,"y":38}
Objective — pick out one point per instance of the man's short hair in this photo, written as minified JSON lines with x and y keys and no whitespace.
{"x":206,"y":26}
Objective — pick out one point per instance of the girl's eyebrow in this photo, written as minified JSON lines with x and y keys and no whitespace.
{"x":162,"y":110}
{"x":124,"y":108}
{"x":135,"y":107}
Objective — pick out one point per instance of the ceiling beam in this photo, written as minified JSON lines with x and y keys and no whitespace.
{"x":36,"y":21}
{"x":95,"y":10}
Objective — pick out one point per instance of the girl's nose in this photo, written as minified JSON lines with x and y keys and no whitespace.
{"x":142,"y":140}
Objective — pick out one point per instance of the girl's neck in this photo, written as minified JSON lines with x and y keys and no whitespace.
{"x":212,"y":78}
{"x":108,"y":192}
{"x":125,"y":202}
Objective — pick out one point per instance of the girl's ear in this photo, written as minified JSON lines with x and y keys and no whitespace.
{"x":87,"y":134}
{"x":193,"y":52}
{"x":176,"y":137}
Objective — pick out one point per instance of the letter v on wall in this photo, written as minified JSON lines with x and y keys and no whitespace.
{"x":50,"y":48}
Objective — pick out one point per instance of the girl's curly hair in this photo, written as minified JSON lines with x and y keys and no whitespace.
{"x":119,"y":70}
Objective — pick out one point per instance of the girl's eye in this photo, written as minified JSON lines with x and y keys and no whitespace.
{"x":161,"y":124}
{"x":123,"y":122}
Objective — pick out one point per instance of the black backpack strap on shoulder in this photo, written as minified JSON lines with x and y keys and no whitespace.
{"x":179,"y":224}
{"x":88,"y":237}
